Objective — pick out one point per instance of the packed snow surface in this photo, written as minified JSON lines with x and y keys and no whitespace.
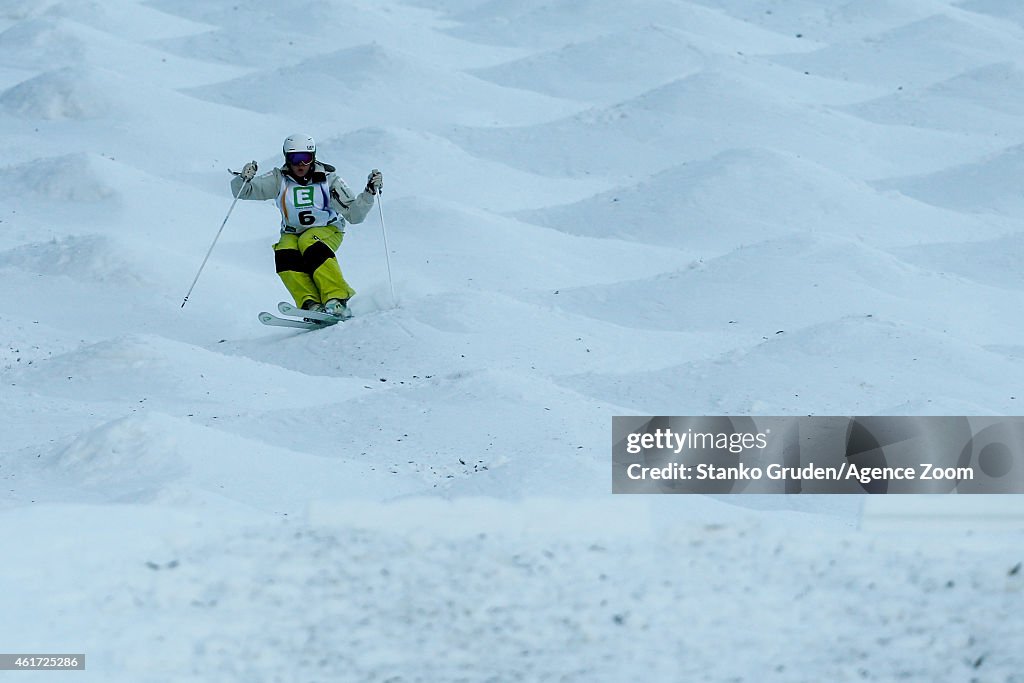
{"x":667,"y":207}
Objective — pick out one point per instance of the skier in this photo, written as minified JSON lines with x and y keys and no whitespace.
{"x":314,"y":204}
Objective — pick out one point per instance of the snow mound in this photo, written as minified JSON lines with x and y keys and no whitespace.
{"x":854,"y":18}
{"x":16,"y":11}
{"x":835,"y":376}
{"x":91,"y":258}
{"x":542,"y":24}
{"x":1010,"y":11}
{"x":993,"y":262}
{"x":829,"y":275}
{"x":158,"y":459}
{"x":781,"y":18}
{"x":369,"y":64}
{"x":85,"y":93}
{"x":68,"y":93}
{"x":990,"y":86}
{"x":469,"y":454}
{"x":39,"y":43}
{"x":45,"y":44}
{"x":448,"y":258}
{"x":80,"y":177}
{"x":743,"y":196}
{"x":439,"y":339}
{"x":398,"y":87}
{"x":178,"y":378}
{"x":926,"y":51}
{"x":703,"y":114}
{"x":125,"y":19}
{"x":129,"y":460}
{"x":988,"y":186}
{"x":604,"y":69}
{"x":54,"y":41}
{"x":283,"y":40}
{"x":976,"y":101}
{"x":23,"y":344}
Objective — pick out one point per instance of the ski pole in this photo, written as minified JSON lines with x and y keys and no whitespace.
{"x":387,"y":252}
{"x":217,"y":237}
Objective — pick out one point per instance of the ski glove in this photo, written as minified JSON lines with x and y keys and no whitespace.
{"x":374,"y":182}
{"x":248,"y":171}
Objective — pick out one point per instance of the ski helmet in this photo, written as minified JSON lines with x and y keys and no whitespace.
{"x":298,"y":143}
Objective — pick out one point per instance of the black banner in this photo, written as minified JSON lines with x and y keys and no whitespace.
{"x":824,"y":454}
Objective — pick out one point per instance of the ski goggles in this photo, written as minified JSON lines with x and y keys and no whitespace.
{"x":298,"y":158}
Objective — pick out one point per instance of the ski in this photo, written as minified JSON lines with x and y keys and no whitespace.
{"x":312,"y":319}
{"x":287,"y":309}
{"x":274,"y":321}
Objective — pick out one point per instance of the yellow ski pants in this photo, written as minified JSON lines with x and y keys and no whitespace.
{"x":308,"y":266}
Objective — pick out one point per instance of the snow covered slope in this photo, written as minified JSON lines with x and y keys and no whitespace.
{"x":676,"y":207}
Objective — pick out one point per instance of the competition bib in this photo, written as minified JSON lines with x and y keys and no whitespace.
{"x":304,"y":206}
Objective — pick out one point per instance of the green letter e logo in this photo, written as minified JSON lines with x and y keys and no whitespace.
{"x":303,"y":197}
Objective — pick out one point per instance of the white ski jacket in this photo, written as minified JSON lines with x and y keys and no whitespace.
{"x":321,"y":198}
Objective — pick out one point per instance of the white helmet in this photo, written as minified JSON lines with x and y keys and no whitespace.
{"x":299,"y":143}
